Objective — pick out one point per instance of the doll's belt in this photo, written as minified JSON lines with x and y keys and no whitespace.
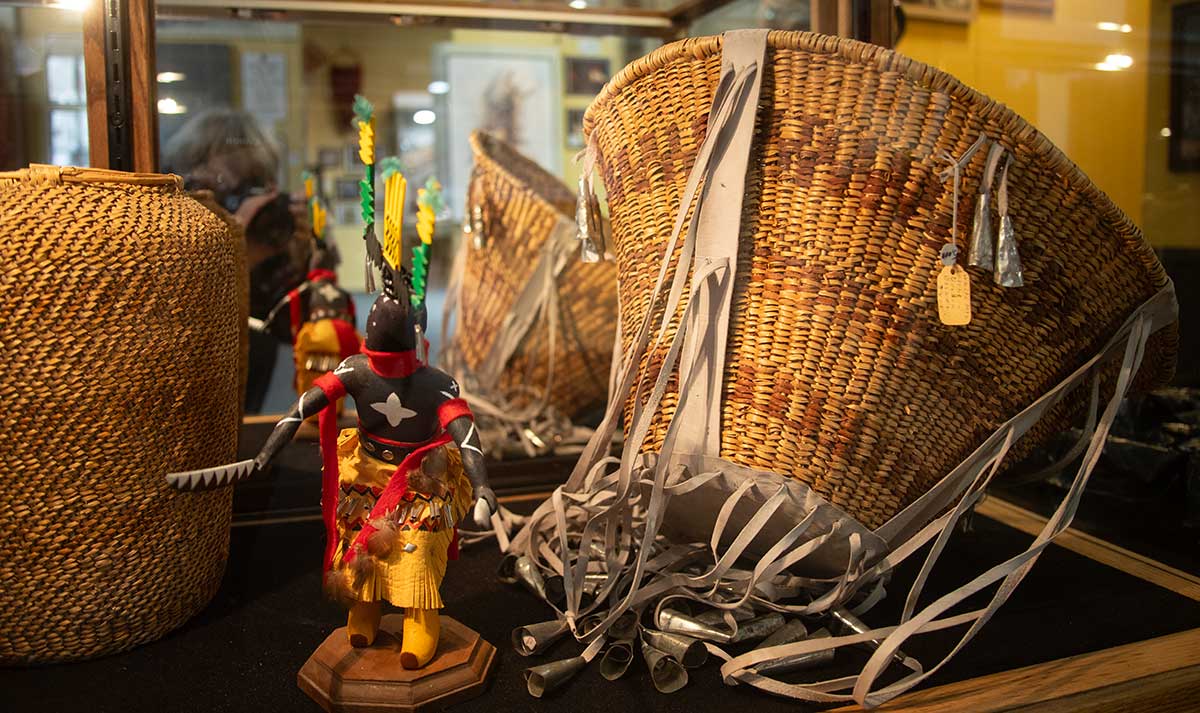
{"x":387,"y":452}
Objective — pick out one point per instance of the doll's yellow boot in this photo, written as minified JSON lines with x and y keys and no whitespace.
{"x":421,"y":630}
{"x":363,"y":623}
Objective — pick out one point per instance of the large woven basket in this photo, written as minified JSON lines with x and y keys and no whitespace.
{"x":838,"y":369}
{"x":123,"y":319}
{"x":521,"y":207}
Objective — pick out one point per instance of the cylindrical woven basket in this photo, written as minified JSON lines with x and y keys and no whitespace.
{"x":521,"y":205}
{"x":838,"y":371}
{"x":124,"y":310}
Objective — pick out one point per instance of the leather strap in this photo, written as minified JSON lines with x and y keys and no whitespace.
{"x":702,"y":363}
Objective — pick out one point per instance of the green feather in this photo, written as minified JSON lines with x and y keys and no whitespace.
{"x":420,"y":269}
{"x":363,"y":109}
{"x":389,"y":166}
{"x":433,"y":195}
{"x":367,"y":194}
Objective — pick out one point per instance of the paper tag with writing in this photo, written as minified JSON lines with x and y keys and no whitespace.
{"x":954,"y":296}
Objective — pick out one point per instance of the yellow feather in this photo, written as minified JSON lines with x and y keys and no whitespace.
{"x":394,"y":191}
{"x":319,"y":217}
{"x":366,"y":141}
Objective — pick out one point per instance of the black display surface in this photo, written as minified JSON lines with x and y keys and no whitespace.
{"x":243,"y":651}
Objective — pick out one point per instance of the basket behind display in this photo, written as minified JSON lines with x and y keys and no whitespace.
{"x":520,"y":215}
{"x":122,"y":331}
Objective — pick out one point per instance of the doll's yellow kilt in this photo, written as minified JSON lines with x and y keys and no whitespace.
{"x":405,"y":579}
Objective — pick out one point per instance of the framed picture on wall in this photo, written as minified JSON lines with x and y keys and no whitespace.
{"x":346,"y":188}
{"x":1184,"y":150}
{"x":1045,"y":7}
{"x":515,"y":95}
{"x":575,"y":129}
{"x":347,"y":214}
{"x":954,"y":11}
{"x":329,"y":157}
{"x":586,"y":75}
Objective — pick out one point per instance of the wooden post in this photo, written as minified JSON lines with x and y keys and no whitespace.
{"x":883,"y":23}
{"x":824,"y":16}
{"x":122,"y":97}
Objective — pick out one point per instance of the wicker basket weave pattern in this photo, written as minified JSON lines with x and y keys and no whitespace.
{"x":837,"y":369}
{"x":122,"y":330}
{"x":521,"y":206}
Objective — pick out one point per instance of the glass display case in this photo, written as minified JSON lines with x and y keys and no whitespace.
{"x":252,"y":103}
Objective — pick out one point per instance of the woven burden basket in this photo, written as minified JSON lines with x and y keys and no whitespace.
{"x":124,"y":310}
{"x":837,"y":366}
{"x":520,"y":211}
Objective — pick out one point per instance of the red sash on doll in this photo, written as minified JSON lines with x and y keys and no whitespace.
{"x":397,"y":486}
{"x":347,"y":336}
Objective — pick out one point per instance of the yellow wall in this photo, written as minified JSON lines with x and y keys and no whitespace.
{"x":1172,"y":200}
{"x":393,"y":59}
{"x":1043,"y":67}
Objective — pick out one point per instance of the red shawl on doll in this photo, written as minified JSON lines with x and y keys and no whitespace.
{"x":397,"y":364}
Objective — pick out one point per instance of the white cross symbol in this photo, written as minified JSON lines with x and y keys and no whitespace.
{"x":393,"y":410}
{"x":329,"y":292}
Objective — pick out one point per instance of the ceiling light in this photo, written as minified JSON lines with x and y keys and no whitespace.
{"x":1106,"y":67}
{"x":1120,"y":61}
{"x":72,"y":5}
{"x":424,"y":116}
{"x":167,"y":105}
{"x":437,"y":86}
{"x":168,"y":77}
{"x":1165,"y":132}
{"x":578,"y":4}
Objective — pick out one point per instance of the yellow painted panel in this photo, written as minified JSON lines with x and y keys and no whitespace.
{"x":1044,"y":68}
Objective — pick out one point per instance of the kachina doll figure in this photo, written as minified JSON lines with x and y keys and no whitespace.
{"x":395,"y":487}
{"x":317,"y":318}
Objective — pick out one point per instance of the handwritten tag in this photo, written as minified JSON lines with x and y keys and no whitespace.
{"x":954,"y":296}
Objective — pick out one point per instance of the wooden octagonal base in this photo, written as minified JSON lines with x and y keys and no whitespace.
{"x":343,"y":679}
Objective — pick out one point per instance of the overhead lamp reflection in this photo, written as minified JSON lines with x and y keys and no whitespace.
{"x":1120,"y":61}
{"x":437,"y":86}
{"x":1165,"y":132}
{"x":424,"y":117}
{"x":168,"y":77}
{"x":1115,"y":27}
{"x":168,"y":105}
{"x":578,"y":4}
{"x":1115,"y":63}
{"x":72,"y":5}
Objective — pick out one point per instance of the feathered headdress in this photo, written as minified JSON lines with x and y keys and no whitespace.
{"x":387,"y":255}
{"x":324,"y":253}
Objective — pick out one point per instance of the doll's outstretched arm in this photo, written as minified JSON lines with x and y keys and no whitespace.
{"x":309,"y":403}
{"x":464,"y":433}
{"x":277,"y":323}
{"x":312,"y":401}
